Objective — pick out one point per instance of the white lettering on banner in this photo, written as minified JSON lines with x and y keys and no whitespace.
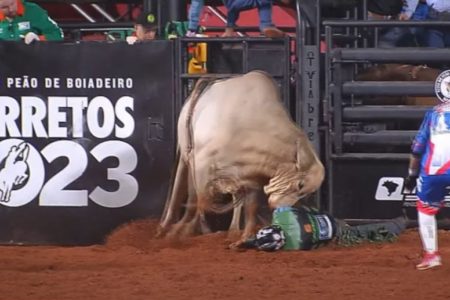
{"x":99,"y":83}
{"x":53,"y":193}
{"x":125,"y":117}
{"x":27,"y":82}
{"x":9,"y":112}
{"x":78,"y":104}
{"x":51,"y":83}
{"x":31,"y":112}
{"x":22,"y":175}
{"x":100,"y":106}
{"x":24,"y":82}
{"x":128,"y":185}
{"x":56,"y":117}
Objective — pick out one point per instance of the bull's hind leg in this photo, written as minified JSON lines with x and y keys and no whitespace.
{"x":251,"y":207}
{"x":182,"y":227}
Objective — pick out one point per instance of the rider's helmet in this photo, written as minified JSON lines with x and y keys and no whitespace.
{"x":270,"y":238}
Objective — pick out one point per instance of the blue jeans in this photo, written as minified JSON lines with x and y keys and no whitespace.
{"x":403,"y":36}
{"x":234,"y":7}
{"x":438,"y":37}
{"x":195,"y":10}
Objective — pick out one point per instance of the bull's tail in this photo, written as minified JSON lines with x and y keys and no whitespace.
{"x":200,"y":86}
{"x":178,"y":192}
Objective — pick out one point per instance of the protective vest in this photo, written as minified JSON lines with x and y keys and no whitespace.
{"x":432,"y":141}
{"x":304,"y":228}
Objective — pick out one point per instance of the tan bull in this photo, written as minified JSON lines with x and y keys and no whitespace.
{"x":235,"y":137}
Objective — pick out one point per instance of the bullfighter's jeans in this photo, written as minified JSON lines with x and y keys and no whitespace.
{"x":234,"y":7}
{"x":195,"y":10}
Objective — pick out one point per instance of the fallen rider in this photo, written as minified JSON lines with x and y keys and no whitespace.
{"x":306,"y":228}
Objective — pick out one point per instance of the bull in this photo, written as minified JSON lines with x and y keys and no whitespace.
{"x":235,"y":137}
{"x":399,"y":72}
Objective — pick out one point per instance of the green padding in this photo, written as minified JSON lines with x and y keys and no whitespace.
{"x":289,"y":223}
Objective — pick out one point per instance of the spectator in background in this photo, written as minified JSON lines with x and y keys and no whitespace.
{"x":417,"y":12}
{"x":438,"y":37}
{"x":404,"y":36}
{"x":145,"y":28}
{"x":28,"y":21}
{"x":264,"y":7}
{"x":195,"y":11}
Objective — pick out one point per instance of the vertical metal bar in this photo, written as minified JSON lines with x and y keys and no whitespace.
{"x":150,"y":5}
{"x":287,"y":74}
{"x":178,"y":97}
{"x":300,"y":38}
{"x":245,"y":56}
{"x":326,"y":106}
{"x":308,"y":87}
{"x":355,"y":29}
{"x":365,"y":17}
{"x":179,"y":87}
{"x":337,"y":103}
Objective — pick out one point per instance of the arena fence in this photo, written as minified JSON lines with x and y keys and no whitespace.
{"x":87,"y":130}
{"x":367,"y":146}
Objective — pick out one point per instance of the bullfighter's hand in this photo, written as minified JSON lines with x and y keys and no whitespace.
{"x":30,"y":37}
{"x":410,"y":183}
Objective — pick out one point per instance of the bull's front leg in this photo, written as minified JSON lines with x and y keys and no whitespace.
{"x":234,"y":230}
{"x":251,"y":209}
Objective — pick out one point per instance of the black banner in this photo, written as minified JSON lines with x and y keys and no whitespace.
{"x":374,"y":189}
{"x":86,"y":138}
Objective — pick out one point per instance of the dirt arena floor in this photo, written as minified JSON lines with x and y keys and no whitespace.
{"x":134,"y":265}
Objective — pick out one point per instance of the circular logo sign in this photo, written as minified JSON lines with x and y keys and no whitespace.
{"x":442,"y":86}
{"x":22,"y":172}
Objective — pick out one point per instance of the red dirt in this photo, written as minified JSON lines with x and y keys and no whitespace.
{"x":134,"y":265}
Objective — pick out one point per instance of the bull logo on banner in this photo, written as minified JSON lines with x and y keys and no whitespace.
{"x":14,"y":170}
{"x":21,"y":172}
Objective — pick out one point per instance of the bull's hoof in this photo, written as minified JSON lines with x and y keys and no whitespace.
{"x":188,"y":231}
{"x":233,"y":235}
{"x":161,"y":232}
{"x":175,"y":231}
{"x":237,"y":246}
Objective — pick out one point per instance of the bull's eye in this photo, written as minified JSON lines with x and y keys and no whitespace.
{"x":300,"y":185}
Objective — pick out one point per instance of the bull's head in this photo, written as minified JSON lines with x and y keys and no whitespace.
{"x":297,"y":181}
{"x":296,"y":188}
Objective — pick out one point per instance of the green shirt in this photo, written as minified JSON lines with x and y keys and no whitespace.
{"x":34,"y":19}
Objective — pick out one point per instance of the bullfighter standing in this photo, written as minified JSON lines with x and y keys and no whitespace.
{"x":430,"y":164}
